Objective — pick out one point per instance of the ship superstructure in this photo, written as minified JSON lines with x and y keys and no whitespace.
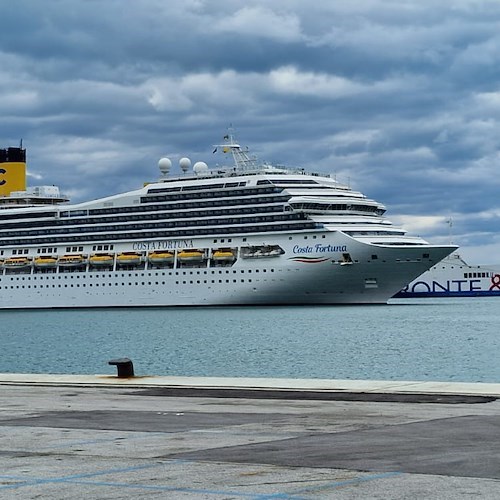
{"x":249,"y":233}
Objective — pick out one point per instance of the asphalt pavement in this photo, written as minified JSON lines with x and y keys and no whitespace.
{"x":100,"y":437}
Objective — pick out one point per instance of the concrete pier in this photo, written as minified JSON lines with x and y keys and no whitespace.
{"x":106,"y":437}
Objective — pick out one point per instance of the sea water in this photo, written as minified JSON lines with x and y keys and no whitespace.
{"x":409,"y":339}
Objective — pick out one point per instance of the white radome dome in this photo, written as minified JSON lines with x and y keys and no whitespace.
{"x":200,"y":167}
{"x":165,"y":165}
{"x":185,"y":164}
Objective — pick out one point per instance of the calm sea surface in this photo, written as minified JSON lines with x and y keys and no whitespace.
{"x":409,"y":339}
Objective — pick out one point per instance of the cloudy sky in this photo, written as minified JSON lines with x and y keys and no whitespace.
{"x":400,"y":98}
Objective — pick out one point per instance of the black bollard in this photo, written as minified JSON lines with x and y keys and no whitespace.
{"x":124,"y":366}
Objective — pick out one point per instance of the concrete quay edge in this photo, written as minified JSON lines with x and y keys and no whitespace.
{"x":305,"y":385}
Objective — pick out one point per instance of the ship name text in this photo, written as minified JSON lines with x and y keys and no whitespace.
{"x":319,"y":248}
{"x":162,"y":245}
{"x":454,"y":286}
{"x":459,"y":286}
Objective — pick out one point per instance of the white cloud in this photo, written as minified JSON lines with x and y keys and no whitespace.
{"x":488,"y":100}
{"x":260,"y":21}
{"x":203,"y":91}
{"x":353,"y":137}
{"x":165,"y":96}
{"x":435,"y":225}
{"x":290,"y":80}
{"x":34,"y":175}
{"x":481,"y":254}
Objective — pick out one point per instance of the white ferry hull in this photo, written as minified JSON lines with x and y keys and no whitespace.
{"x":310,"y":271}
{"x":453,"y":277}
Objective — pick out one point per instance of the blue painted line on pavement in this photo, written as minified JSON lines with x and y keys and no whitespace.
{"x":80,"y":479}
{"x":277,"y":496}
{"x":171,"y":488}
{"x":32,"y":482}
{"x":112,"y":484}
{"x":348,"y":482}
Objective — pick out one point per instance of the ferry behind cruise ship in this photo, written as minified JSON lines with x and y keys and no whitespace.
{"x":245,"y":234}
{"x":453,"y":277}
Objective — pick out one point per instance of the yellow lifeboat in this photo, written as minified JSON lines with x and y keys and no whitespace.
{"x":223,"y":255}
{"x":190,"y":256}
{"x":128,"y":259}
{"x":101,"y":260}
{"x":45,"y":262}
{"x":17,"y":262}
{"x":160,"y":257}
{"x":72,"y":260}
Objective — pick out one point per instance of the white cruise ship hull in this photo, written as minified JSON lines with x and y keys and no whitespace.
{"x":243,"y":234}
{"x":312,"y":270}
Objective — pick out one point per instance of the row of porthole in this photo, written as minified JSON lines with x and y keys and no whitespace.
{"x":199,"y":282}
{"x":83,"y":285}
{"x":122,"y":284}
{"x":177,"y":273}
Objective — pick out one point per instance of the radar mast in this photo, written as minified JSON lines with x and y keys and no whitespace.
{"x":242,"y":158}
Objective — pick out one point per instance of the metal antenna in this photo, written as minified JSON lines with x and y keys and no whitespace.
{"x":450,"y":231}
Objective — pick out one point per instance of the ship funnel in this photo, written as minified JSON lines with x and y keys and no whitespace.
{"x":12,"y":170}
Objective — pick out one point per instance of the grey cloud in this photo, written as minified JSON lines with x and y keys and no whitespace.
{"x":401,"y":98}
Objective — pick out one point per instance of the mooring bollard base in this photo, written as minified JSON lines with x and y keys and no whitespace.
{"x":124,"y":366}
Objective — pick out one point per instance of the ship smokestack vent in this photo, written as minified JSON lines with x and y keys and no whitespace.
{"x":17,"y":155}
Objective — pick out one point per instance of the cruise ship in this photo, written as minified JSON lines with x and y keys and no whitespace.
{"x":247,"y":234}
{"x":453,"y":277}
